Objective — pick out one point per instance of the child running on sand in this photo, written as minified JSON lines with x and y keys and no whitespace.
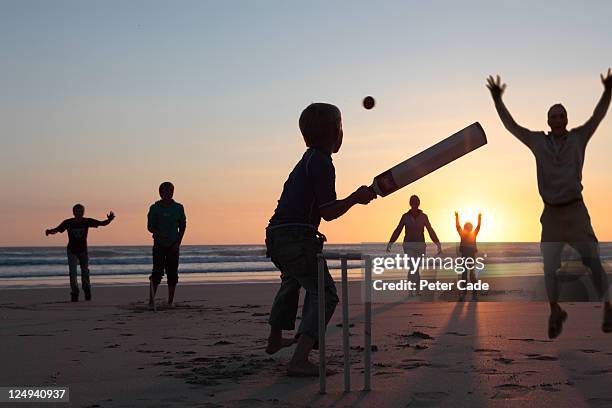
{"x":76,"y":250}
{"x":468,"y":249}
{"x":293,"y":240}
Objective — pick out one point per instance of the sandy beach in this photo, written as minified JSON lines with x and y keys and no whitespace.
{"x":208,"y":351}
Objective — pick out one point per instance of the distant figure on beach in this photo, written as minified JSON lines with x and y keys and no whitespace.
{"x":76,"y":250}
{"x":167,"y":222}
{"x":414,"y":223}
{"x":559,"y":158}
{"x":293,"y":240}
{"x":468,"y":249}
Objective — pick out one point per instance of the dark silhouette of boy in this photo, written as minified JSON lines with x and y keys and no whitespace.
{"x":293,"y":240}
{"x":167,"y":222}
{"x":559,"y":158}
{"x":468,"y":249}
{"x":76,"y":250}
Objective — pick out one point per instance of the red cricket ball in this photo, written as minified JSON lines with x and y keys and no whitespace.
{"x":368,"y":102}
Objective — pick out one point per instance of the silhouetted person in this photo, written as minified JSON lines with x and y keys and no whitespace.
{"x":559,"y":158}
{"x":76,"y":250}
{"x":468,"y":249}
{"x":167,"y":222}
{"x":292,"y":239}
{"x":414,"y":223}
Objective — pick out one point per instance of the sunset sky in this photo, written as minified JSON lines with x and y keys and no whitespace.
{"x":101,"y":101}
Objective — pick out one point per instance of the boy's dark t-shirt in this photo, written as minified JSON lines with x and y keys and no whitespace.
{"x":168,"y":220}
{"x":77,"y":232}
{"x":311,"y":185}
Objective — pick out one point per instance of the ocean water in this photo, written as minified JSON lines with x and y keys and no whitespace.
{"x":116,"y":264}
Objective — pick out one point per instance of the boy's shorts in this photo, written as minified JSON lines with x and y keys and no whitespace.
{"x":294,"y":250}
{"x":164,"y":259}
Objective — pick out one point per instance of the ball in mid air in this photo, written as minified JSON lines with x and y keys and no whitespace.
{"x":368,"y":102}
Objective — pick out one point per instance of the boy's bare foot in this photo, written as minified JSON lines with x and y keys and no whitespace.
{"x":306,"y":369}
{"x":555,"y":323}
{"x":170,"y":305}
{"x":152,"y":306}
{"x":274,"y":345}
{"x":606,"y":326}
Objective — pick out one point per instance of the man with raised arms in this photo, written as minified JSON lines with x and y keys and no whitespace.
{"x":559,"y":158}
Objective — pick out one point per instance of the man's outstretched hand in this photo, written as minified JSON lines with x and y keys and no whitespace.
{"x":110,"y":216}
{"x":607,"y":80}
{"x":496,"y":87}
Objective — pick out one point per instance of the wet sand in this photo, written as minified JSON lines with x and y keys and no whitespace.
{"x":208,"y":351}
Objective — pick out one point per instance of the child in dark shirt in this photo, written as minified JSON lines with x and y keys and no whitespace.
{"x":293,"y":240}
{"x":77,"y":228}
{"x":167,"y":222}
{"x":468,"y":248}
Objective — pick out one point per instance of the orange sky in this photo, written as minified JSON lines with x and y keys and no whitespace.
{"x":100,"y":104}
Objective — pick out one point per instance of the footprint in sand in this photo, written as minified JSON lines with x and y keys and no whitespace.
{"x":504,"y":360}
{"x":510,"y":391}
{"x":427,"y":399}
{"x":541,"y":357}
{"x":418,"y":335}
{"x":222,"y":343}
{"x":549,"y":387}
{"x":412,"y":363}
{"x":486,"y":351}
{"x":456,"y":333}
{"x":600,"y":402}
{"x":599,"y":371}
{"x":530,"y":340}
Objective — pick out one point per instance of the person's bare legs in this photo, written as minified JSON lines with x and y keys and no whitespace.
{"x":152,"y":291}
{"x":473,"y":280}
{"x":171,"y":290}
{"x":276,"y":341}
{"x":283,"y":313}
{"x":551,"y":253}
{"x":589,"y":252}
{"x":300,"y":365}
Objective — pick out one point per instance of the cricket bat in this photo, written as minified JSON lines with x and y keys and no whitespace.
{"x":431,"y":159}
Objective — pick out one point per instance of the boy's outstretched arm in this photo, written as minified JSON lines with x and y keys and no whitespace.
{"x":52,"y":231}
{"x":497,"y":89}
{"x":601,"y":109}
{"x":336,"y":209}
{"x":109,"y":217}
{"x":60,"y":228}
{"x":396,"y":233}
{"x":457,"y":225}
{"x":433,"y":235}
{"x":477,"y":230}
